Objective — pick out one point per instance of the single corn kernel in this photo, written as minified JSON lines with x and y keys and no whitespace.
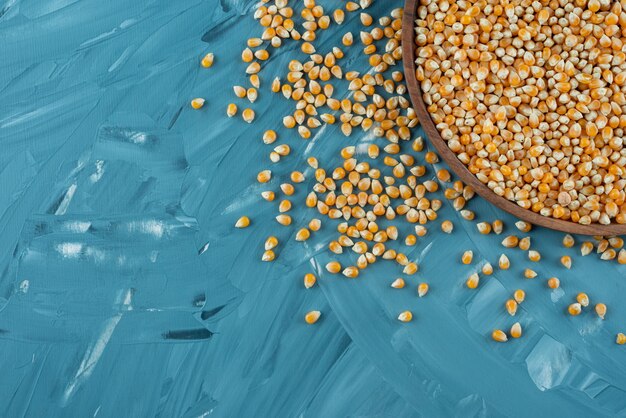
{"x":242,"y":222}
{"x":264,"y":176}
{"x":483,"y":227}
{"x":207,"y":60}
{"x":523,"y":226}
{"x":231,"y":110}
{"x":499,"y":336}
{"x":268,"y":195}
{"x":534,"y":255}
{"x":566,"y":260}
{"x":516,"y":330}
{"x":504,"y":262}
{"x":510,"y":242}
{"x":601,"y":310}
{"x":472,"y":281}
{"x":422,"y":289}
{"x":568,"y":241}
{"x":447,"y":227}
{"x":511,"y":307}
{"x":620,"y":339}
{"x":487,"y":269}
{"x":405,"y":316}
{"x":268,"y":255}
{"x":351,"y":272}
{"x":197,"y":103}
{"x":519,"y":295}
{"x":309,"y":280}
{"x":586,"y":248}
{"x":467,"y":257}
{"x":554,"y":283}
{"x":271,"y":243}
{"x":497,"y":226}
{"x":410,"y":269}
{"x":303,"y":234}
{"x":574,"y":309}
{"x":312,"y":317}
{"x":530,"y":274}
{"x":524,"y":244}
{"x":398,"y":283}
{"x":284,"y":220}
{"x":333,"y":267}
{"x":248,"y":115}
{"x":583,"y":299}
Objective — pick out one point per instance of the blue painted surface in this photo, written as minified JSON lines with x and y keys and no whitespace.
{"x":126,"y":292}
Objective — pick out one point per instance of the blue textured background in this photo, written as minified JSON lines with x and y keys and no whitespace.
{"x":125,"y":290}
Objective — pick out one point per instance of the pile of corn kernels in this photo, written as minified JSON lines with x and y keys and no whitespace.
{"x":530,"y":96}
{"x":382,"y":183}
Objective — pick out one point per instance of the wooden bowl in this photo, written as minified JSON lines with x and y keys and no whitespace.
{"x":408,"y":54}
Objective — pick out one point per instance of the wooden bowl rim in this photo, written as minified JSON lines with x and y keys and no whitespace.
{"x":408,"y":57}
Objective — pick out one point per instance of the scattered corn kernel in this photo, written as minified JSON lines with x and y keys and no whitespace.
{"x":312,"y":317}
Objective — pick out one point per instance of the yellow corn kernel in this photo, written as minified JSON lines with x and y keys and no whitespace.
{"x":271,"y":243}
{"x":600,"y":310}
{"x":510,"y":242}
{"x":231,"y":110}
{"x":568,"y":241}
{"x":268,"y":255}
{"x":467,"y":257}
{"x":511,"y":307}
{"x":252,"y":94}
{"x":554,"y":283}
{"x":253,"y":68}
{"x":247,"y":55}
{"x":410,"y":268}
{"x":410,"y":240}
{"x":333,"y":267}
{"x":268,"y":195}
{"x":422,"y":289}
{"x":303,"y":234}
{"x":620,"y":339}
{"x":530,"y":274}
{"x":504,"y":262}
{"x":519,"y":295}
{"x":447,"y":226}
{"x":523,"y":226}
{"x":351,"y":272}
{"x":312,"y":317}
{"x":398,"y":283}
{"x":516,"y":330}
{"x":255,"y":81}
{"x":574,"y":309}
{"x":487,"y":269}
{"x":472,"y":281}
{"x":586,"y":248}
{"x":248,"y":115}
{"x":405,"y":316}
{"x":583,"y":299}
{"x":287,"y":188}
{"x":499,"y":336}
{"x":242,"y":222}
{"x":264,"y":176}
{"x":566,"y":260}
{"x":524,"y":244}
{"x":197,"y":103}
{"x":534,"y":255}
{"x":297,"y":177}
{"x":483,"y":227}
{"x":309,"y":280}
{"x":283,"y":219}
{"x":497,"y":226}
{"x":207,"y":60}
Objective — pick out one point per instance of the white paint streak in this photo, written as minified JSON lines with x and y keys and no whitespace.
{"x":94,"y":351}
{"x":67,"y":199}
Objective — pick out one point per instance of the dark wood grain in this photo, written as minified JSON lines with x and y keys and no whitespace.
{"x":408,"y":53}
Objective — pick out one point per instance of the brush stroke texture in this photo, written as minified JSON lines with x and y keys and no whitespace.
{"x":125,"y":292}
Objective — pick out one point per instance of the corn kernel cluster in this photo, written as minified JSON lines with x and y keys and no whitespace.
{"x":530,"y":96}
{"x":376,"y":184}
